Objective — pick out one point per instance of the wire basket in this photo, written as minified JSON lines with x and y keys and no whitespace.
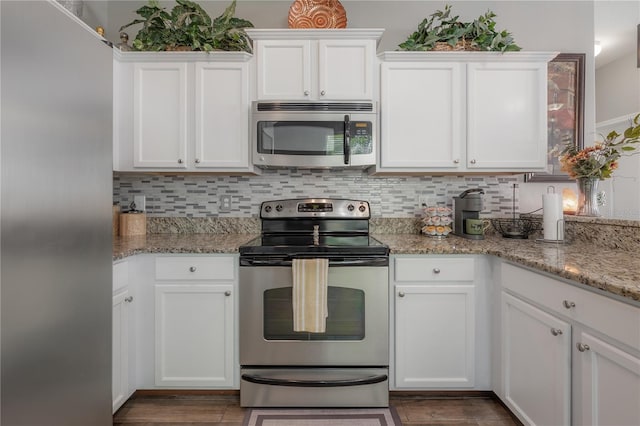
{"x":516,"y":228}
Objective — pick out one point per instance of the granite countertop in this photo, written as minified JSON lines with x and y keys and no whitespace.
{"x":611,"y":270}
{"x":614,"y":271}
{"x":179,"y":243}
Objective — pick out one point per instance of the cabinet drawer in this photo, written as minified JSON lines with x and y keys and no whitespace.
{"x":616,"y":319}
{"x":195,"y":268}
{"x":433,"y":269}
{"x":120,"y":275}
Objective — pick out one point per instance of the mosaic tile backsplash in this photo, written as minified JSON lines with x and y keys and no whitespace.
{"x":397,"y":196}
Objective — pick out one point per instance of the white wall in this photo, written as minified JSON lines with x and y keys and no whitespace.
{"x":617,"y":88}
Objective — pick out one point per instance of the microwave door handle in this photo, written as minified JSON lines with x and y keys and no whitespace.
{"x":347,"y":139}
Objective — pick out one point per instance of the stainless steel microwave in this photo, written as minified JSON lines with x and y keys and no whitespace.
{"x":314,"y":134}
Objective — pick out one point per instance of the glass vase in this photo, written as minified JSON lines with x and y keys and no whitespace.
{"x":588,"y":196}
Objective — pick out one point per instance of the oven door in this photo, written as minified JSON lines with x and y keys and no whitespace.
{"x":357,"y":332}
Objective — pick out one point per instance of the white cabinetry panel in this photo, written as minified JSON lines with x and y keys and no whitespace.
{"x":507,"y":115}
{"x":194,"y":335}
{"x":435,"y":336}
{"x":160,"y":115}
{"x":536,"y":362}
{"x":283,"y":69}
{"x":221,"y":115}
{"x":610,"y":391}
{"x":424,"y":133}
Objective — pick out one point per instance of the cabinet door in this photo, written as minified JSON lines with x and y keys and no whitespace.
{"x":160,"y":115}
{"x":222,"y":116}
{"x":610,"y":383}
{"x":536,"y":363}
{"x":284,"y":69}
{"x":435,"y":336}
{"x":194,"y":335}
{"x":345,"y":69}
{"x":120,"y":349}
{"x":421,"y":111}
{"x":507,"y":115}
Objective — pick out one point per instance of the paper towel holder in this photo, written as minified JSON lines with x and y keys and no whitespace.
{"x":559,"y":224}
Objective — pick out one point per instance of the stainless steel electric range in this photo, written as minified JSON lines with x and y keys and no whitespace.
{"x":347,"y":365}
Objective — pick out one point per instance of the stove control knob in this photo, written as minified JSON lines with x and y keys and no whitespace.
{"x":362,"y":208}
{"x":279,"y":207}
{"x":267,"y":208}
{"x":350,"y":207}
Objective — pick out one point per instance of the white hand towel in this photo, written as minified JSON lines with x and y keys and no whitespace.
{"x":309,"y":297}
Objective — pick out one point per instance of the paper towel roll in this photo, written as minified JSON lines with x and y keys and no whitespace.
{"x":551,"y":214}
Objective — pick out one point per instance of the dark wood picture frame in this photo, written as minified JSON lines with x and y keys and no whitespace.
{"x":565,"y":119}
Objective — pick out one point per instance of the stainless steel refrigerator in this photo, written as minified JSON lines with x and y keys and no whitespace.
{"x":55,"y":216}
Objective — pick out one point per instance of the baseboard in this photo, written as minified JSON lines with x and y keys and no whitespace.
{"x":443,"y":394}
{"x":184,"y":392}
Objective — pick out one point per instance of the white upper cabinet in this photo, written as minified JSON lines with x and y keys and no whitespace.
{"x":507,"y":115}
{"x":315,"y":64}
{"x":424,"y":132}
{"x":463,"y":111}
{"x":221,"y":115}
{"x":160,"y":115}
{"x":181,"y":111}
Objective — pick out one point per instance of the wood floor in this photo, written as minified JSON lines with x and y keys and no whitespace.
{"x":225,"y":410}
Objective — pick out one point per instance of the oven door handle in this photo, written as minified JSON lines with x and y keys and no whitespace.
{"x":314,"y":383}
{"x":379,"y":261}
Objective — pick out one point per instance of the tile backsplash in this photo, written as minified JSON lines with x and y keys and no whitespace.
{"x":389,"y":196}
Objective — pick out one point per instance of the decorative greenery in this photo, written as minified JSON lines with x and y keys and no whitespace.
{"x":440,"y":27}
{"x":189,"y":27}
{"x":601,"y":159}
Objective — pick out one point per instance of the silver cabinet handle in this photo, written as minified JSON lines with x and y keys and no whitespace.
{"x":322,"y":93}
{"x":179,"y":160}
{"x":436,"y":270}
{"x":567,"y":304}
{"x":401,"y":294}
{"x":582,"y":347}
{"x":306,"y":93}
{"x":128,"y":299}
{"x":473,"y":161}
{"x":197,"y":161}
{"x":192,"y":269}
{"x":556,"y":332}
{"x":456,"y":161}
{"x":227,"y":293}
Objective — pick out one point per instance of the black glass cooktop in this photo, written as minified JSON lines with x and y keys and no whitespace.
{"x":295,"y":245}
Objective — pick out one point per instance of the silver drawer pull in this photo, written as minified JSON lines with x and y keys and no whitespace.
{"x":128,"y":299}
{"x":582,"y":347}
{"x":567,"y":304}
{"x":401,"y":294}
{"x":227,"y":293}
{"x":556,"y":332}
{"x":192,"y":269}
{"x":436,"y":270}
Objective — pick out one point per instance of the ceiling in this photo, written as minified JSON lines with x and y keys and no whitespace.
{"x":615,"y":27}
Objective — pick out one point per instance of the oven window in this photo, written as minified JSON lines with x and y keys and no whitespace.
{"x":345,"y":320}
{"x":312,"y":137}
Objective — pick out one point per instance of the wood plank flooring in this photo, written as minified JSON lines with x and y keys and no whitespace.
{"x":225,"y":410}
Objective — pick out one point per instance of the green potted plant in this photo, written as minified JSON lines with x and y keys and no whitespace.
{"x":189,"y":27}
{"x":441,"y":31}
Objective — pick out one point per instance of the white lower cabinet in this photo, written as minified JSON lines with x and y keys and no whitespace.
{"x":548,"y":378}
{"x":195,"y":321}
{"x":536,"y":362}
{"x":123,"y":334}
{"x":609,"y":392}
{"x":434,"y":331}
